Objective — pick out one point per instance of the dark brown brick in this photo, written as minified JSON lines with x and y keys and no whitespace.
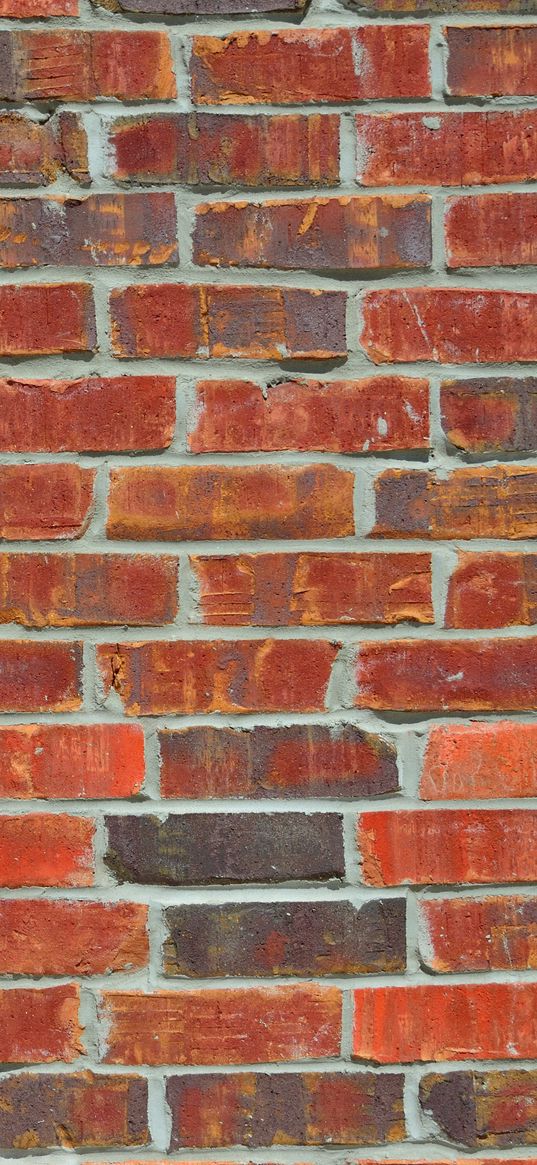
{"x":483,"y":1110}
{"x":205,"y":849}
{"x":76,"y":1111}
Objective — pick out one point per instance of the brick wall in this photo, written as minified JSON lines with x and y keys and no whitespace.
{"x":268,"y":421}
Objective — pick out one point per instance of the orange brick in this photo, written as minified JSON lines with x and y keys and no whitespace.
{"x":479,"y":934}
{"x":488,"y":502}
{"x":72,"y":65}
{"x":477,"y":761}
{"x":71,"y":938}
{"x":39,"y":1026}
{"x":45,"y":849}
{"x":68,"y":761}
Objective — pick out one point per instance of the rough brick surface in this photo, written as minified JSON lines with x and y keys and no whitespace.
{"x":80,"y":1110}
{"x":482,"y":1110}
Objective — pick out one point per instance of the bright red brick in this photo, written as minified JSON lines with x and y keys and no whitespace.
{"x":199,"y":149}
{"x":490,"y":414}
{"x":73,"y":65}
{"x":485,"y":675}
{"x":46,"y":318}
{"x":80,"y":590}
{"x":268,"y":501}
{"x":67,"y":761}
{"x":34,"y":153}
{"x":222,"y":1026}
{"x":291,"y":66}
{"x":46,"y":849}
{"x":339,"y":416}
{"x":492,"y":230}
{"x":478,"y":934}
{"x":223,"y":676}
{"x":71,"y":938}
{"x":313,"y":589}
{"x":477,"y":761}
{"x":495,"y":502}
{"x":447,"y":149}
{"x":448,"y":846}
{"x":492,"y":590}
{"x":496,"y":61}
{"x":45,"y":501}
{"x":260,"y":323}
{"x":40,"y":676}
{"x":39,"y":1026}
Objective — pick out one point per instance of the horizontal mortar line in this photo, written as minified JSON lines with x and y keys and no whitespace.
{"x":301,"y":805}
{"x":357,"y":282}
{"x":177,"y":986}
{"x":232,"y":895}
{"x":354,"y":636}
{"x":366,"y":720}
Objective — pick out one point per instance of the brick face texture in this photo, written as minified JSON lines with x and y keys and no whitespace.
{"x":268,"y":585}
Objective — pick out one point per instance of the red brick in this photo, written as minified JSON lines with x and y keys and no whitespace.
{"x":263,"y":501}
{"x":199,"y":149}
{"x":486,"y":675}
{"x":495,"y":61}
{"x":71,"y":938}
{"x":291,"y":66}
{"x":479,"y":934}
{"x":374,"y":233}
{"x":45,"y":849}
{"x":251,"y":1025}
{"x":46,"y":318}
{"x":447,"y":149}
{"x":490,"y":414}
{"x":260,"y":323}
{"x":492,"y":590}
{"x":45,"y":501}
{"x":101,"y":230}
{"x":450,"y":325}
{"x":34,"y":153}
{"x":223,"y":676}
{"x":492,"y":230}
{"x":72,"y":65}
{"x":96,"y":414}
{"x":80,"y":590}
{"x":300,"y":760}
{"x":492,"y":1021}
{"x":288,"y":1108}
{"x":72,"y":1110}
{"x":68,"y":761}
{"x":28,"y":9}
{"x":477,"y":761}
{"x":339,"y":416}
{"x":39,"y":1026}
{"x":448,"y":846}
{"x":40,"y":677}
{"x":485,"y":502}
{"x":312,"y":589}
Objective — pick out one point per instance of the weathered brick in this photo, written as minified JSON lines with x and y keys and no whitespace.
{"x":334,"y":416}
{"x":34,"y":153}
{"x":96,"y":414}
{"x":28,"y":9}
{"x":301,"y":760}
{"x":71,"y":1111}
{"x":291,"y":66}
{"x":479,"y":934}
{"x":218,"y":848}
{"x":46,"y":318}
{"x":80,"y":590}
{"x":199,"y":149}
{"x":312,"y":589}
{"x":252,"y":1025}
{"x":496,"y":61}
{"x":40,"y":677}
{"x":39,"y":1026}
{"x":478,"y":761}
{"x":207,"y":7}
{"x":45,"y":501}
{"x":371,"y":233}
{"x":486,"y":502}
{"x":260,"y":323}
{"x":491,"y":414}
{"x":251,"y":675}
{"x":291,"y":1108}
{"x":492,"y":590}
{"x":485,"y":1021}
{"x":450,"y":325}
{"x":46,"y":849}
{"x":483,"y":1110}
{"x":100,"y":230}
{"x":492,"y":230}
{"x":68,"y":761}
{"x":447,"y":846}
{"x":452,"y":148}
{"x":287,"y":938}
{"x":71,"y":65}
{"x":485,"y":675}
{"x":217,"y":501}
{"x":71,"y":938}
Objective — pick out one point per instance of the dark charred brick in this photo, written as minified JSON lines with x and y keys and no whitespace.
{"x":257,"y":1109}
{"x":211,"y":848}
{"x":287,"y":938}
{"x":483,"y":1110}
{"x":298,"y":760}
{"x":206,"y":7}
{"x":75,"y":1111}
